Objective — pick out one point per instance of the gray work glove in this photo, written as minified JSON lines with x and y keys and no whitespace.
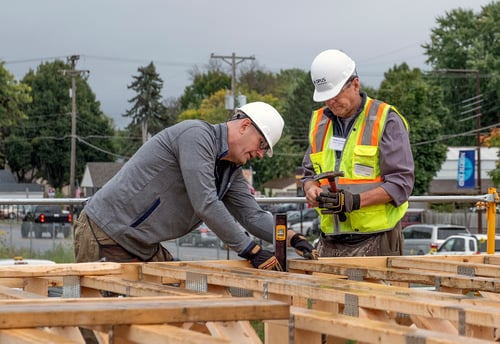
{"x":338,"y":203}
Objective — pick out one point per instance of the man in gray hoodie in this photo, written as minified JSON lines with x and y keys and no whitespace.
{"x":187,"y":174}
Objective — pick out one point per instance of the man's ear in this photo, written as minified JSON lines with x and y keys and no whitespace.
{"x":245,"y":124}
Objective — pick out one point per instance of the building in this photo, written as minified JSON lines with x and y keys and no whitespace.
{"x":96,"y":175}
{"x":445,"y":181}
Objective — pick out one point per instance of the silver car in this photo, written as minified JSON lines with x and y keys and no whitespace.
{"x":421,"y":238}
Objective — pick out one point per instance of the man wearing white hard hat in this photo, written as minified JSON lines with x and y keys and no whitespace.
{"x":364,"y":142}
{"x":186,"y":174}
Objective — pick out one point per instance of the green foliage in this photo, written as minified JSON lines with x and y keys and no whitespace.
{"x":212,"y":109}
{"x":297,"y":111}
{"x":203,"y":86}
{"x":62,"y":252}
{"x":464,"y":51}
{"x":13,"y":97}
{"x":48,"y":127}
{"x":494,"y":141}
{"x":420,"y":103}
{"x":147,"y":110}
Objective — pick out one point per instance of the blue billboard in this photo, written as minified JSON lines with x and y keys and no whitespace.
{"x":466,"y":169}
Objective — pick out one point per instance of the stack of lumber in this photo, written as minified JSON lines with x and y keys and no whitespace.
{"x":420,"y":299}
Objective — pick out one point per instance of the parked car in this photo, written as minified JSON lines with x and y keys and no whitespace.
{"x":22,"y":261}
{"x":295,"y":216}
{"x":316,"y":227}
{"x":304,"y":228}
{"x":420,"y":238}
{"x":49,"y":219}
{"x":201,"y":236}
{"x":412,"y":217}
{"x":465,"y":244}
{"x":12,"y":211}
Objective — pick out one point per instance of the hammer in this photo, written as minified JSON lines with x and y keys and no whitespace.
{"x":330,"y":176}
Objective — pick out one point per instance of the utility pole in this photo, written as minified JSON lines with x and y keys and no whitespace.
{"x":477,"y":98}
{"x":233,"y":62}
{"x":73,"y":73}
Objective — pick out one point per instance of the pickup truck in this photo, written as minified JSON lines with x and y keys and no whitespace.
{"x":49,"y":219}
{"x":465,"y":244}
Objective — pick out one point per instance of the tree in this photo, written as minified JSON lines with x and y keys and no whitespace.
{"x":13,"y":97}
{"x":493,"y":140}
{"x":297,"y":110}
{"x":204,"y":85}
{"x":48,"y":127}
{"x":464,"y":41}
{"x":147,"y":110}
{"x":421,"y":103}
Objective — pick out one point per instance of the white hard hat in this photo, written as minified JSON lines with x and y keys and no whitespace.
{"x":330,"y":70}
{"x":267,"y":119}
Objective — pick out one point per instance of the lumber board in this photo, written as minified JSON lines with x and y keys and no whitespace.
{"x":162,"y":334}
{"x":459,"y":267}
{"x":88,"y":312}
{"x":372,"y":331}
{"x":33,"y":336}
{"x":16,"y":293}
{"x":417,"y":274}
{"x":416,"y":302}
{"x":131,"y":288}
{"x":80,"y":269}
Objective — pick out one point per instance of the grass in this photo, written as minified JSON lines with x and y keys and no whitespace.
{"x":61,"y":253}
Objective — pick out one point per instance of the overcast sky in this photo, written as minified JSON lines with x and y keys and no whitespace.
{"x":115,"y":37}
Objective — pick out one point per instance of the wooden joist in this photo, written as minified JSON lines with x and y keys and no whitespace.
{"x":367,"y":299}
{"x":123,"y":311}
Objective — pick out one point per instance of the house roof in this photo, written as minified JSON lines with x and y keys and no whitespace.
{"x":98,"y":173}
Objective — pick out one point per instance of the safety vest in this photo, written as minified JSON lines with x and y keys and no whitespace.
{"x":360,"y":162}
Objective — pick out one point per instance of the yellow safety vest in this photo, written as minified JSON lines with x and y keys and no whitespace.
{"x":360,"y":163}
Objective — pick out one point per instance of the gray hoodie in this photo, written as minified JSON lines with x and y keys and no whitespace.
{"x":171,"y":184}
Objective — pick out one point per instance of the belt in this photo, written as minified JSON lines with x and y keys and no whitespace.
{"x":347,"y":238}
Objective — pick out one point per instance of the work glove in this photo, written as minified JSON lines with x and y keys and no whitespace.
{"x":338,"y":203}
{"x":261,"y":259}
{"x":303,"y":247}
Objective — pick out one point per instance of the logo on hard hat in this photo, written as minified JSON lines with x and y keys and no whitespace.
{"x":319,"y":82}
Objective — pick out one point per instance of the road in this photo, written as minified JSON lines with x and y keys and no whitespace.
{"x":10,"y":236}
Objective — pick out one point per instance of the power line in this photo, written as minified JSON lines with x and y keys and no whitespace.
{"x":233,"y":62}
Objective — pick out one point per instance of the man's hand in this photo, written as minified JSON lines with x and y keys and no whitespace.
{"x":338,"y":202}
{"x":261,"y":259}
{"x":303,"y":247}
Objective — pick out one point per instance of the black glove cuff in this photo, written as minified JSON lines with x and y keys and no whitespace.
{"x":295,"y":239}
{"x":251,"y":251}
{"x":356,"y":201}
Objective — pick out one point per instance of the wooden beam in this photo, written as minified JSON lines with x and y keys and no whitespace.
{"x":163,"y":334}
{"x":88,"y":312}
{"x":33,"y":336}
{"x":81,"y":269}
{"x":371,"y":331}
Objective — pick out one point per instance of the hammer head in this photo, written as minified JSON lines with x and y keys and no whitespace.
{"x":330,"y":176}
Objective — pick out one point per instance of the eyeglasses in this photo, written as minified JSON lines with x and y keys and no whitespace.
{"x":347,"y":84}
{"x":263,"y":145}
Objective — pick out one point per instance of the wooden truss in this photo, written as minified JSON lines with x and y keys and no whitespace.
{"x":407,"y":300}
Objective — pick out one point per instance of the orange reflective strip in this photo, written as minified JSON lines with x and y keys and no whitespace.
{"x":314,"y":147}
{"x":367,"y":110}
{"x":342,"y":180}
{"x":328,"y":124}
{"x":376,"y":125}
